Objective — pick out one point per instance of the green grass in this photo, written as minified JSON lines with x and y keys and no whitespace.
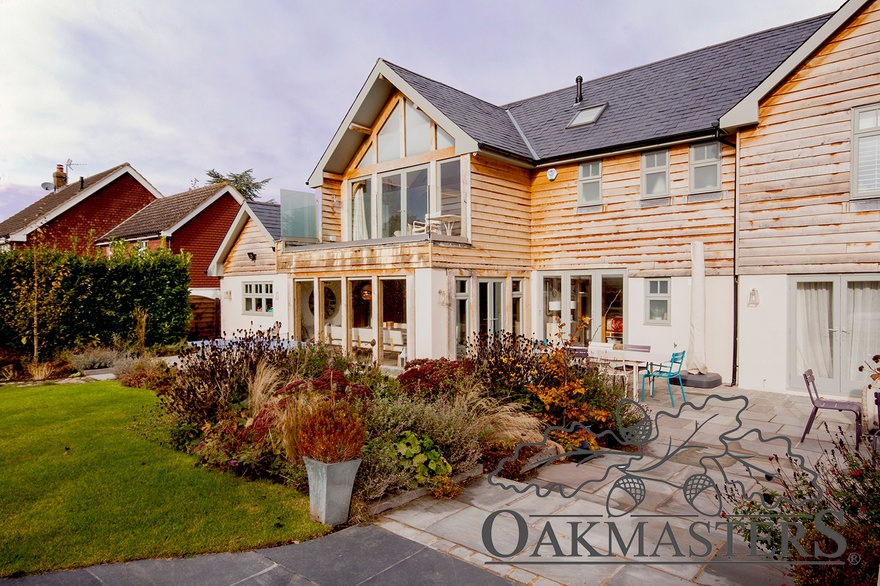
{"x":79,"y":487}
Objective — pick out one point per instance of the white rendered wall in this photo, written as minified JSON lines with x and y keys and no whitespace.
{"x":763,"y":333}
{"x":232,"y":316}
{"x":675,"y":336}
{"x":431,"y":307}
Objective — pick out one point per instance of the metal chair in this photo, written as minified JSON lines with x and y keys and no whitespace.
{"x":820,"y":403}
{"x":668,"y":370}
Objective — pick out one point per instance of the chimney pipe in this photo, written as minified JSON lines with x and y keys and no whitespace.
{"x":82,"y":182}
{"x":59,"y":177}
{"x":579,"y":81}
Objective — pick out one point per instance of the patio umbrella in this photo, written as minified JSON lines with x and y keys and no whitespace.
{"x":696,"y":353}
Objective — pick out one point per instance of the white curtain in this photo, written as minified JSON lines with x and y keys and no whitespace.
{"x":814,"y":324}
{"x":358,"y":217}
{"x":696,"y":352}
{"x":863,"y":323}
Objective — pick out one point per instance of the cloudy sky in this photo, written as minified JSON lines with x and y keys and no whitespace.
{"x":176,"y":87}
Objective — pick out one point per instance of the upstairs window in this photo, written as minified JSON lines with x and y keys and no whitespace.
{"x":590,"y":184}
{"x":866,"y":152}
{"x":655,"y":174}
{"x":444,"y":139}
{"x":705,"y":167}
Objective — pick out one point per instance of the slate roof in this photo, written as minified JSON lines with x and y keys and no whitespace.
{"x":50,"y":202}
{"x":163,"y":214}
{"x":269,"y":215}
{"x":679,"y":97}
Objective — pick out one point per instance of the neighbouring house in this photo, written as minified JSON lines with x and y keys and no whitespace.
{"x":254,"y":297}
{"x":195,"y":222}
{"x":573,"y":213}
{"x":74,"y":214}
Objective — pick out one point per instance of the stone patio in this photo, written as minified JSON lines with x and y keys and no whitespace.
{"x":455,"y":527}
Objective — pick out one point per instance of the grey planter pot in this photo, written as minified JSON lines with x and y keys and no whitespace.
{"x":330,"y":489}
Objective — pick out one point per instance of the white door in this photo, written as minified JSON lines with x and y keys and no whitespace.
{"x":836,"y":329}
{"x":490,"y":306}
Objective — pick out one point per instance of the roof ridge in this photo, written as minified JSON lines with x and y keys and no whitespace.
{"x":446,"y":85}
{"x":668,"y":59}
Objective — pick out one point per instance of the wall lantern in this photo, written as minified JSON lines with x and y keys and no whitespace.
{"x":252,"y":256}
{"x":753,"y":298}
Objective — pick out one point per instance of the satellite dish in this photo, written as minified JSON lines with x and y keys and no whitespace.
{"x":48,"y":185}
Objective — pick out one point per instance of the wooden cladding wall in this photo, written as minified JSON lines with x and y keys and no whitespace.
{"x":796,"y":212}
{"x":500,"y":210}
{"x":252,"y":240}
{"x":622,"y":233}
{"x":331,"y":208}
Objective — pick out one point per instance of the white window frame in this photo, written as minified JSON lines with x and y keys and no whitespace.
{"x":646,"y":170}
{"x":703,"y":163}
{"x":589,"y":173}
{"x":857,"y":135}
{"x":254,"y":290}
{"x":658,"y":296}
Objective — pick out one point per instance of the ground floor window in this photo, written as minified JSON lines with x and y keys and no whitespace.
{"x":657,"y":301}
{"x":258,"y":298}
{"x":393,"y":320}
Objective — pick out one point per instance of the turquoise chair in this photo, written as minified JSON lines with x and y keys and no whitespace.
{"x":668,"y":370}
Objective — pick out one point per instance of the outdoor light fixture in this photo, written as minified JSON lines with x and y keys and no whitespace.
{"x":252,"y":256}
{"x":753,"y":298}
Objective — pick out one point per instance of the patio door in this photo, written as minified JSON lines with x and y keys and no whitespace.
{"x":490,"y":306}
{"x":836,"y":329}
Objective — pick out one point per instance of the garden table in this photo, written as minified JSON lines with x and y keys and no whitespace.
{"x":629,"y":358}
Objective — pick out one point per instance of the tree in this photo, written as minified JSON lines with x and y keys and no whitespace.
{"x":244,"y":182}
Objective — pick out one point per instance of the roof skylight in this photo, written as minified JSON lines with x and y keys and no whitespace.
{"x":587,"y":115}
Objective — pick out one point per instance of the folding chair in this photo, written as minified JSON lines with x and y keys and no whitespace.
{"x":668,"y":370}
{"x":820,"y":403}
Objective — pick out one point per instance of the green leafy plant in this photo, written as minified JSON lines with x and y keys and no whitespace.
{"x":422,"y":455}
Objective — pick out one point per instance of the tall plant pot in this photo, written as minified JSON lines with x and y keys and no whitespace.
{"x":330,"y":489}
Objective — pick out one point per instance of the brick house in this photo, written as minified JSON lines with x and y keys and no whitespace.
{"x":196,"y":222}
{"x":74,"y":214}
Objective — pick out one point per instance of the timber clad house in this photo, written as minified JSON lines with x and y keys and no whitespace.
{"x":443,"y":215}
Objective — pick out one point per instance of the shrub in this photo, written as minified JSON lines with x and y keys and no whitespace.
{"x":848,"y":481}
{"x":507,"y":362}
{"x":443,"y":487}
{"x":494,"y":452}
{"x":147,"y":372}
{"x":434,"y":377}
{"x":94,"y":357}
{"x":40,"y":371}
{"x":330,"y":431}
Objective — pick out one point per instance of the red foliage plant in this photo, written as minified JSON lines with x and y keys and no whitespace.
{"x":434,"y":377}
{"x":330,"y":431}
{"x":332,"y":383}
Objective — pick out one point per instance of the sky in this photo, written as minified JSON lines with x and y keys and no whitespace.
{"x":177,"y":87}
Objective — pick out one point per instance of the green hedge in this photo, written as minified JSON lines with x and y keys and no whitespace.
{"x":87,"y":299}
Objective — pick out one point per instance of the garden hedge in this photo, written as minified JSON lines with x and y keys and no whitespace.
{"x":83,"y":299}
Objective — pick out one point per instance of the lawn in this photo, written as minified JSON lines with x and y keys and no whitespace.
{"x":80,"y":487}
